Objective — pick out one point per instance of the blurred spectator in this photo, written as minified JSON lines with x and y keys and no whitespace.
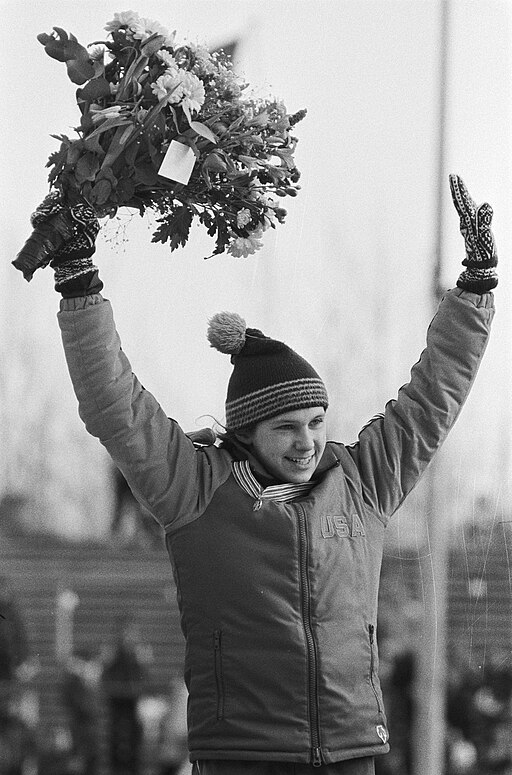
{"x":172,"y":750}
{"x":461,"y":754}
{"x":14,"y":648}
{"x":399,"y":631}
{"x":461,"y":687}
{"x":81,"y":696}
{"x":402,"y":707}
{"x":17,"y":743}
{"x":398,"y":687}
{"x":124,"y":678}
{"x":479,"y":717}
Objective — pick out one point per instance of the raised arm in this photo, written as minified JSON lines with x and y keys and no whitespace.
{"x":163,"y":468}
{"x":393,"y":451}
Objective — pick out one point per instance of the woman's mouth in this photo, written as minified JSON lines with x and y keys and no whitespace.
{"x":301,"y":462}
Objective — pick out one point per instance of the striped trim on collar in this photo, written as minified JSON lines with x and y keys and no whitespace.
{"x":245,"y":478}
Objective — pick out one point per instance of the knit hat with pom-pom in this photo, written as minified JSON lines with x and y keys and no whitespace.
{"x":268,"y":377}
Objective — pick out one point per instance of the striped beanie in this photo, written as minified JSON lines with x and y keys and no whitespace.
{"x":268,"y":377}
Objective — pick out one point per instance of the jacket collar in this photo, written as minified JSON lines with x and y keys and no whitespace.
{"x":275,"y":492}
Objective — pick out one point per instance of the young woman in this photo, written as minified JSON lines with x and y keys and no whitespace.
{"x":275,"y":535}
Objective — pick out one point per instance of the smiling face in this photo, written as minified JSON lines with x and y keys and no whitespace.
{"x":289,"y":445}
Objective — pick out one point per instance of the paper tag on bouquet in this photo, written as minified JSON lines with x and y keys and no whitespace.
{"x":178,"y":162}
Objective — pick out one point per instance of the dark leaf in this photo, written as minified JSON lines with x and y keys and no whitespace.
{"x":174,"y":228}
{"x":130,"y":153}
{"x":100,"y":192}
{"x":86,"y":122}
{"x":146,"y":174}
{"x":222,"y":236}
{"x":86,"y":167}
{"x":93,"y":144}
{"x":107,"y":174}
{"x":79,"y":71}
{"x":158,"y":126}
{"x":136,"y":203}
{"x":57,"y":157}
{"x":276,"y":173}
{"x":69,"y":45}
{"x":74,"y":151}
{"x":154,"y":151}
{"x":58,"y":161}
{"x":86,"y":190}
{"x":125,"y":189}
{"x":53,"y":48}
{"x":65,"y":48}
{"x":287,"y":158}
{"x":62,"y":138}
{"x":241,"y":181}
{"x":207,"y":220}
{"x":214,"y":163}
{"x":94,"y":90}
{"x":229,"y":163}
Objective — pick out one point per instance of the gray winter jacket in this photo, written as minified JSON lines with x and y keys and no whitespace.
{"x":278,"y":603}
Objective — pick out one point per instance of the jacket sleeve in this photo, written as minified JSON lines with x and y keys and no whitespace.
{"x":394,"y":449}
{"x":166,"y":473}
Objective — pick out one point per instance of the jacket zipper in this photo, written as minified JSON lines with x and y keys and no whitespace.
{"x":316,"y":754}
{"x":218,"y":673}
{"x":371,"y":632}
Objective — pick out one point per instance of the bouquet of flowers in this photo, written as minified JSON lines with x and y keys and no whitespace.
{"x":169,"y":127}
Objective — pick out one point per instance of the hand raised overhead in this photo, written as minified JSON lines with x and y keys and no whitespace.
{"x":475,"y":226}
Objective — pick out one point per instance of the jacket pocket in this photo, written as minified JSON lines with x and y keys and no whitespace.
{"x":219,"y":678}
{"x":373,"y":674}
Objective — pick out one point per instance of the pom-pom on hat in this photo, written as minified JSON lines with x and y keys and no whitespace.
{"x":268,"y":377}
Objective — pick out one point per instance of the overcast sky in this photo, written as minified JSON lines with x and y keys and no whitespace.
{"x":346,"y":281}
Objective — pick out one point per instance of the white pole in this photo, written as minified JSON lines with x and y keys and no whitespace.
{"x":430,"y":727}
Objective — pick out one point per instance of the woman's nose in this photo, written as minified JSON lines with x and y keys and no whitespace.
{"x":304,"y":440}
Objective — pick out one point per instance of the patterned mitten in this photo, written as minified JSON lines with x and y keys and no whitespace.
{"x":63,"y":237}
{"x":475,"y":226}
{"x":75,"y":273}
